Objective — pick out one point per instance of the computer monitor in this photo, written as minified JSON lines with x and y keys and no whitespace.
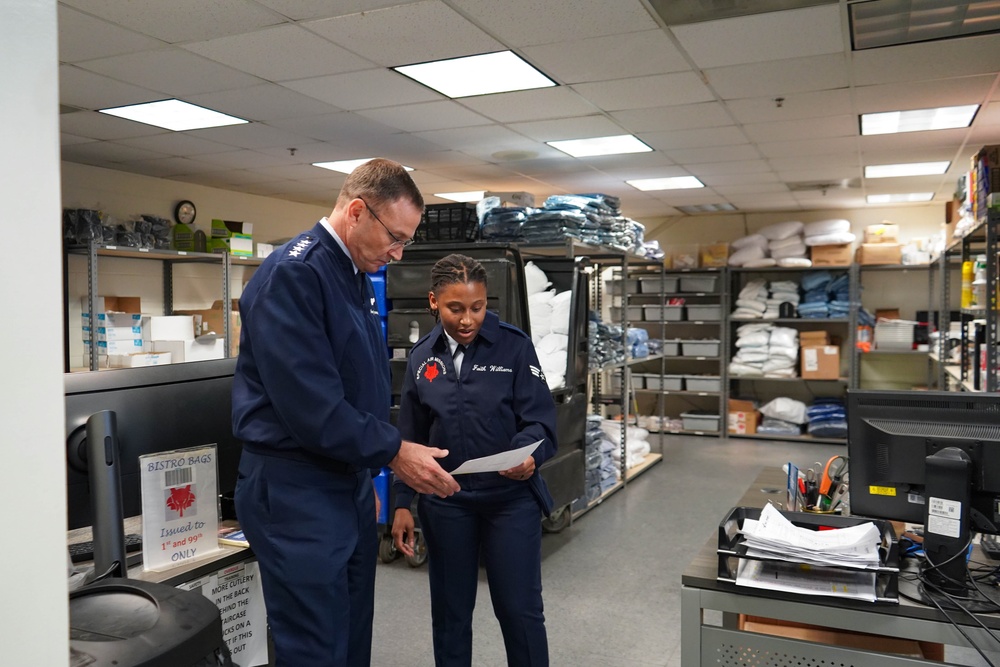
{"x":931,"y":458}
{"x":158,"y":409}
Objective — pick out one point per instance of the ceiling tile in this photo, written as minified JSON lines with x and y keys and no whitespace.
{"x":771,"y":201}
{"x":176,"y":143}
{"x":901,"y":154}
{"x":730,"y":190}
{"x":568,"y":128}
{"x":252,"y":135}
{"x":314,"y":9}
{"x":627,"y":163}
{"x":182,"y":20}
{"x":242,"y":159}
{"x":820,"y":173}
{"x":333,"y":127}
{"x":931,"y":140}
{"x":109,"y":151}
{"x":825,"y":146}
{"x":280,"y":53}
{"x":923,"y":94}
{"x":527,"y":105}
{"x":794,"y":33}
{"x":407,"y":34}
{"x":800,"y":162}
{"x":427,"y":116}
{"x":66,"y":139}
{"x":172,"y":71}
{"x":611,"y":57}
{"x":443,"y":159}
{"x":793,"y":107}
{"x":169,"y":167}
{"x":263,"y":103}
{"x":364,"y":90}
{"x":731,"y":167}
{"x":624,"y":173}
{"x":751,"y":179}
{"x":780,"y":77}
{"x":984,"y":135}
{"x":86,"y":90}
{"x":83,"y":37}
{"x":478,"y":138}
{"x":645,"y":92}
{"x":693,"y":138}
{"x":95,"y":125}
{"x":988,"y":115}
{"x":678,"y":117}
{"x":686,"y":156}
{"x":832,"y":126}
{"x":521,"y":23}
{"x":927,"y":60}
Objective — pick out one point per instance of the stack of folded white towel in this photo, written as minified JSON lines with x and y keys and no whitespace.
{"x":828,"y":232}
{"x":781,"y":291}
{"x":764,"y":350}
{"x":751,"y":303}
{"x":549,"y":315}
{"x":780,"y":244}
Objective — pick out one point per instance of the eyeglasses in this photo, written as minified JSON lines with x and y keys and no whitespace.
{"x":396,"y":243}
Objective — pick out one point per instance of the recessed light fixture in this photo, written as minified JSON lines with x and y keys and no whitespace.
{"x":472,"y":195}
{"x":173,"y":115}
{"x":616,"y":145}
{"x":900,"y":198}
{"x":909,"y":169}
{"x":347,"y":166}
{"x":918,"y":120}
{"x":673,"y":183}
{"x":705,"y":208}
{"x":500,"y":72}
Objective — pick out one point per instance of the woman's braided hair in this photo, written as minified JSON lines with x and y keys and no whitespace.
{"x":456,"y":269}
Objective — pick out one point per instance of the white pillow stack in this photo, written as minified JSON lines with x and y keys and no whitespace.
{"x":828,"y":232}
{"x":549,"y":314}
{"x":779,"y":244}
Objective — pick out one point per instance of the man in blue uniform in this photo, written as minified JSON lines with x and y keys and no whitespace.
{"x":311,"y":405}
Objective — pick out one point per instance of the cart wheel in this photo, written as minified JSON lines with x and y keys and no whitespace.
{"x":419,"y":556}
{"x":557,"y":521}
{"x":387,"y":549}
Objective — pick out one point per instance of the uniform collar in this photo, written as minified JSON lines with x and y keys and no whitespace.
{"x":329,"y":238}
{"x":489,"y":331}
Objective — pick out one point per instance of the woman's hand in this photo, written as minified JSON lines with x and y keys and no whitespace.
{"x":403,"y":531}
{"x":521,"y":472}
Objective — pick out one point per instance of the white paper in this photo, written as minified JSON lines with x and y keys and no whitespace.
{"x":497,"y":462}
{"x":854,"y":546}
{"x":807,"y":580}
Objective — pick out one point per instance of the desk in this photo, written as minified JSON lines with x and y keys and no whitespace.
{"x":704,"y":644}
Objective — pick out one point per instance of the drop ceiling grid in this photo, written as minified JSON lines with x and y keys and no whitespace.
{"x":175,"y":72}
{"x":263,"y":103}
{"x":438,"y":115}
{"x":89,"y":90}
{"x":85,"y":37}
{"x":303,"y":10}
{"x":780,"y":78}
{"x":580,"y":127}
{"x":366,"y":89}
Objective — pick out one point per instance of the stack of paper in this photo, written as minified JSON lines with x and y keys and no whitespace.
{"x":815,"y":562}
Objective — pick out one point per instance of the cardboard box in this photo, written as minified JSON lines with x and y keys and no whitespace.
{"x":171,"y":327}
{"x":742,"y":417}
{"x":222,"y":229}
{"x":845,"y":638}
{"x":263,"y":250}
{"x":116,"y":333}
{"x":880,"y":253}
{"x":211,"y":320}
{"x":201,"y":349}
{"x":139,"y":360}
{"x":813,"y":338}
{"x":887,"y":314}
{"x":110,"y":347}
{"x":820,"y":362}
{"x":115,"y":320}
{"x":714,"y":254}
{"x":112,"y":304}
{"x":886,"y":232}
{"x":831,"y":255}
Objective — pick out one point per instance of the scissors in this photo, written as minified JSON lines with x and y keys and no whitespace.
{"x":812,"y":489}
{"x":833,"y":474}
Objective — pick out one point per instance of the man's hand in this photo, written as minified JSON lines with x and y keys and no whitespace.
{"x":403,"y":531}
{"x":378,"y":502}
{"x":417,"y":466}
{"x":521,"y":472}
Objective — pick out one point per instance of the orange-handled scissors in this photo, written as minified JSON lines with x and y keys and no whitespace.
{"x":833,"y":474}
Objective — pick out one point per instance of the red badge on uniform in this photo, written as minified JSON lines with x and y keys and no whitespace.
{"x":431,"y":371}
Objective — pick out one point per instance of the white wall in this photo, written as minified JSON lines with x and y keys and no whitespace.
{"x":34,"y":606}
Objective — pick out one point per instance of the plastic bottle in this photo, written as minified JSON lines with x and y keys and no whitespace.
{"x":967,"y":276}
{"x":979,"y":282}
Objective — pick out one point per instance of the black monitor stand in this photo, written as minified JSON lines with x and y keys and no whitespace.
{"x":103,"y":466}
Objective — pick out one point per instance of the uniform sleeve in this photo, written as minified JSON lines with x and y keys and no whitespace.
{"x":413,"y":424}
{"x":534,"y":408}
{"x":296,"y":359}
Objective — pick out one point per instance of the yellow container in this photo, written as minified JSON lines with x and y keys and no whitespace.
{"x":968,"y":272}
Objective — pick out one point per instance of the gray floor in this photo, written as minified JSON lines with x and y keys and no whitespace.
{"x":612,"y":579}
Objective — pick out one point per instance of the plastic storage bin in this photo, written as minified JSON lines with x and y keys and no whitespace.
{"x":657,"y":313}
{"x":448,"y":222}
{"x":700,"y":421}
{"x":664,"y":382}
{"x":698,"y":283}
{"x":703,"y":383}
{"x":652,"y":284}
{"x":671,"y":347}
{"x":633,"y":314}
{"x":700,"y":348}
{"x":615,"y":286}
{"x":704,"y":311}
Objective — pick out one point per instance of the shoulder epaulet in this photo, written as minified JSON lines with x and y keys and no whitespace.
{"x":513,"y":329}
{"x":298,"y":248}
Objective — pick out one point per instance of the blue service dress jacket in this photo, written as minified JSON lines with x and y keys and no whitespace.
{"x":312,"y":380}
{"x":499,"y":402}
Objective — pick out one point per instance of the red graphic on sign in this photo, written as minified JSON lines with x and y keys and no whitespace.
{"x":431,"y":372}
{"x":180,"y":499}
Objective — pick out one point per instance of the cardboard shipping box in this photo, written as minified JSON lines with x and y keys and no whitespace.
{"x":845,"y":638}
{"x":886,"y":232}
{"x":831,"y":255}
{"x":880,"y":253}
{"x":743,"y":417}
{"x":820,"y":362}
{"x":813,"y":338}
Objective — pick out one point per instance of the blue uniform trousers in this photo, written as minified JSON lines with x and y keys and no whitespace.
{"x":313,"y":532}
{"x":504,"y":524}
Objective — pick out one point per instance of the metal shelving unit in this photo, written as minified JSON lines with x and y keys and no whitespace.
{"x":94,"y":252}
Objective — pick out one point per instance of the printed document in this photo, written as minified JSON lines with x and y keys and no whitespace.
{"x":497,"y":462}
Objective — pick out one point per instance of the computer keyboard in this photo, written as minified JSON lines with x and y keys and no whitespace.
{"x":990,"y":546}
{"x":84,"y":551}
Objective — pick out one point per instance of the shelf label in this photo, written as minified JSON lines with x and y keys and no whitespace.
{"x":143,"y":249}
{"x":182,"y":252}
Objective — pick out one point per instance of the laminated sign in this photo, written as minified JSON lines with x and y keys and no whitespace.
{"x":180,"y":516}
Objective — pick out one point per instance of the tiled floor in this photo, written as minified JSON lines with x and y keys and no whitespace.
{"x":612,"y":579}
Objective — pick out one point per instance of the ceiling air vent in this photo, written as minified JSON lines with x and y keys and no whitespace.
{"x":679,"y":12}
{"x":824,"y":186}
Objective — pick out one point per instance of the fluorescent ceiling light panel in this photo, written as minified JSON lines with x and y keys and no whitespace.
{"x":472,"y":195}
{"x":918,"y":120}
{"x":705,"y":208}
{"x":500,"y":72}
{"x":900,"y":198}
{"x":673,"y":183}
{"x":347,"y":166}
{"x":909,"y":169}
{"x":616,"y":145}
{"x":174,"y":115}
